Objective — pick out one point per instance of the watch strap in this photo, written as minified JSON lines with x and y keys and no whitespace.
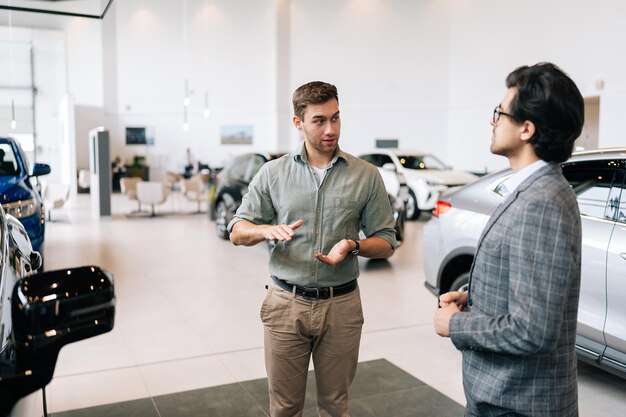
{"x":356,"y":249}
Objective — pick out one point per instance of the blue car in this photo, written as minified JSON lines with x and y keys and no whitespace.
{"x":20,"y":197}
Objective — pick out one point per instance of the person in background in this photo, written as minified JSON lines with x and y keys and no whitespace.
{"x":190,"y":164}
{"x":516,"y":325}
{"x":312,"y":203}
{"x":118,"y":170}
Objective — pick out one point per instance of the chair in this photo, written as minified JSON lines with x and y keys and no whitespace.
{"x":84,"y":179}
{"x":173,"y":179}
{"x":152,"y":192}
{"x":194,"y":189}
{"x":54,"y":196}
{"x":128,"y":187}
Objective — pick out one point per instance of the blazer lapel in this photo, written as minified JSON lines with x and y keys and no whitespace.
{"x":549,"y":169}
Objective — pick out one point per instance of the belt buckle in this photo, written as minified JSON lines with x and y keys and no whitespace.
{"x":307,"y":290}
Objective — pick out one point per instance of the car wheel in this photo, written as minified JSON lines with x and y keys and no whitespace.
{"x":222,"y":218}
{"x":412,"y":210}
{"x":461,"y":283}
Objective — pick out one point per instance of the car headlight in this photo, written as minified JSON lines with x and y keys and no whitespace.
{"x":22,"y":208}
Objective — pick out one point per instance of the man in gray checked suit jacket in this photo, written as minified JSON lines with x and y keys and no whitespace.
{"x":516,"y":325}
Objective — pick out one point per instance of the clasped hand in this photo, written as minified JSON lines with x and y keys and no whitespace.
{"x":451,"y":303}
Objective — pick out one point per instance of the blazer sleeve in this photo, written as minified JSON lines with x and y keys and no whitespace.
{"x":543,"y":263}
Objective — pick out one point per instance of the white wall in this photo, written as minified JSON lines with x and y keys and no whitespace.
{"x":49,"y":77}
{"x":224,"y":47}
{"x":67,"y":60}
{"x":46,"y":72}
{"x":251,"y":55}
{"x":388,"y":60}
{"x":16,"y":96}
{"x":490,"y":38}
{"x":85,"y":64}
{"x":427,"y":72}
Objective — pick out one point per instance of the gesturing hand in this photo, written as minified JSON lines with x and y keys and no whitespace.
{"x":282,"y":231}
{"x":337,"y":253}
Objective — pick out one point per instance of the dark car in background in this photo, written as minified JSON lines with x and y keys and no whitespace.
{"x":599,"y":180}
{"x":39,"y":314}
{"x":19,"y":193}
{"x":232,"y":184}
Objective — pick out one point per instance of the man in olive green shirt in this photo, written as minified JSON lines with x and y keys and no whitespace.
{"x":313,"y":203}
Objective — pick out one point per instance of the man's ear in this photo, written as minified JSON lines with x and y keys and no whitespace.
{"x":527,"y":130}
{"x":297,"y":122}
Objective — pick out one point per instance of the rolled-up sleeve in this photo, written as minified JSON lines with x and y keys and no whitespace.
{"x":256,"y":205}
{"x":377,"y":219}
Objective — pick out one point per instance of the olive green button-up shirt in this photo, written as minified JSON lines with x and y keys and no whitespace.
{"x":351,"y":197}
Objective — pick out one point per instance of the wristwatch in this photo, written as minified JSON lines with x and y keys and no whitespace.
{"x":356,"y":249}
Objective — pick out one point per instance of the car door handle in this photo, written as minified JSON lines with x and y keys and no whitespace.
{"x":623,"y":255}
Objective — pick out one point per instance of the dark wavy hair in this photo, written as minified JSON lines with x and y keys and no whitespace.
{"x":315,"y":92}
{"x":547,"y":97}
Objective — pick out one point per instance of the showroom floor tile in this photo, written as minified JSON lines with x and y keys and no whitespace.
{"x":187,"y":319}
{"x":379,"y":389}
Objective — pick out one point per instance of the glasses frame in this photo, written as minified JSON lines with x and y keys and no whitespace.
{"x":497,"y":113}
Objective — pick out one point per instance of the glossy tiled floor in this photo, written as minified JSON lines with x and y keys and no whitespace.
{"x":188,"y":305}
{"x":379,"y":389}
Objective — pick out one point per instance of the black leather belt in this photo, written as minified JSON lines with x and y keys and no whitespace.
{"x":312,"y":293}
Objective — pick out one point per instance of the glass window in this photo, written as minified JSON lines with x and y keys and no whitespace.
{"x":592,"y":182}
{"x":383,"y":159}
{"x":8,"y":163}
{"x":617,"y":203}
{"x":421,"y":162}
{"x":592,"y":201}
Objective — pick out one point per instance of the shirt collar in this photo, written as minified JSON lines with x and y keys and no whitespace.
{"x":511,"y":183}
{"x":300,"y":156}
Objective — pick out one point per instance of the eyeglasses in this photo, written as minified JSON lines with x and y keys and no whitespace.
{"x":497,"y":113}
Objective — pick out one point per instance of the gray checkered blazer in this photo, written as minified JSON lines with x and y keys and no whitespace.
{"x":518,"y":336}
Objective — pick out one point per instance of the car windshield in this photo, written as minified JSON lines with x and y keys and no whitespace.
{"x":8,"y":162}
{"x":421,"y":162}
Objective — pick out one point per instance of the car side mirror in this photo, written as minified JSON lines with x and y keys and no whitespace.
{"x":50,"y":310}
{"x":389,"y":166}
{"x":35,"y":260}
{"x":40,"y":169}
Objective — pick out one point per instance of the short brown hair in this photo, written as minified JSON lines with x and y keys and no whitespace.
{"x":315,"y":92}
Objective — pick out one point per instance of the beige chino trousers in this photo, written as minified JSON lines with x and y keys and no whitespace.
{"x":296,"y":329}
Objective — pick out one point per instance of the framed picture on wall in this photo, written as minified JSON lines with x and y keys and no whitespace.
{"x":236,"y":134}
{"x":139,"y":136}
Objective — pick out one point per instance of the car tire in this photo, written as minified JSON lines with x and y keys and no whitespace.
{"x":412,"y":210}
{"x":460,"y":283}
{"x":222,"y":218}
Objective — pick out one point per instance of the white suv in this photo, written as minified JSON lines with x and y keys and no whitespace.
{"x":598,"y":179}
{"x":425,"y":175}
